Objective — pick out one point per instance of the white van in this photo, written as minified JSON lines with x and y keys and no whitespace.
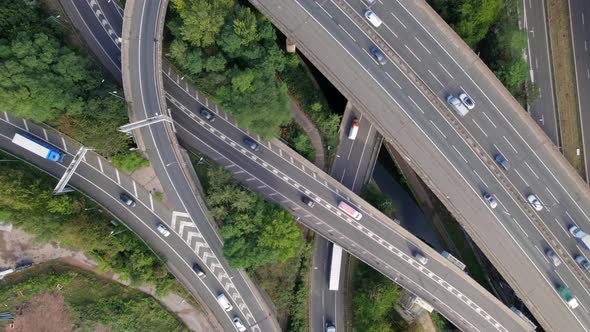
{"x":373,"y":18}
{"x":354,"y":129}
{"x":224,"y":302}
{"x":350,"y":210}
{"x":457,"y":105}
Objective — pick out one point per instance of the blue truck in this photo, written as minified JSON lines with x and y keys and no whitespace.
{"x":38,"y":147}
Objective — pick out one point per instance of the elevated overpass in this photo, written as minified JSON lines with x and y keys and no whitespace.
{"x":405,"y":100}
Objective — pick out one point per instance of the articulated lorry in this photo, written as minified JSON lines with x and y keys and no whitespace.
{"x":582,"y":238}
{"x":38,"y":147}
{"x":567,"y":297}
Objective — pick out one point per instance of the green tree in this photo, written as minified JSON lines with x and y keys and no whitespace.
{"x":257,"y":103}
{"x":476,"y":18}
{"x":130,"y":161}
{"x":202,"y":19}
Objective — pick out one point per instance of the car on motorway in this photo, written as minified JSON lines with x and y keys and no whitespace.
{"x":502,"y":161}
{"x":224,"y":302}
{"x":491,"y":200}
{"x":198,"y":270}
{"x":251,"y":144}
{"x":467,"y":101}
{"x":420,"y":258}
{"x":238,"y":324}
{"x":308,"y":201}
{"x":373,"y":18}
{"x":206,"y":114}
{"x":354,"y":129}
{"x":535,"y":203}
{"x":163,"y":230}
{"x":457,"y":105}
{"x":378,"y":55}
{"x":330,"y":327}
{"x":583,"y":262}
{"x":553,"y":257}
{"x":125,"y":198}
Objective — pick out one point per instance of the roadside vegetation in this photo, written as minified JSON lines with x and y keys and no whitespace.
{"x":262,"y":238}
{"x":379,"y":200}
{"x":92,"y":303}
{"x":232,"y":54}
{"x":374,"y":297}
{"x":562,"y":58}
{"x":490,"y":28}
{"x":303,"y":89}
{"x":47,"y":81}
{"x":27,"y":202}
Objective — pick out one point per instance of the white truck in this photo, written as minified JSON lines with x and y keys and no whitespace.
{"x":335,"y":266}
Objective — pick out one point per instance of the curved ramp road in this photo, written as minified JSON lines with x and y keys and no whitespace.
{"x":283,"y":176}
{"x":405,"y":100}
{"x":142,"y":81}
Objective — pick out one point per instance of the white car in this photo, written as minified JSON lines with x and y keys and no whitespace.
{"x":420,"y":258}
{"x":467,"y":101}
{"x":457,"y":105}
{"x":554,"y":258}
{"x":535,"y":203}
{"x":491,"y":200}
{"x":373,"y":18}
{"x":238,"y":324}
{"x":163,"y":230}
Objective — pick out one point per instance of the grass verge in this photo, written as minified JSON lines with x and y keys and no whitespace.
{"x":91,"y":301}
{"x":563,"y":71}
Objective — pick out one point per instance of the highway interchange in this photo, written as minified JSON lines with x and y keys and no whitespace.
{"x":457,"y":167}
{"x":453,"y":165}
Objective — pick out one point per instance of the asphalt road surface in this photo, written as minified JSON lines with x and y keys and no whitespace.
{"x":405,"y":100}
{"x":104,"y":37}
{"x":579,"y":14}
{"x":353,"y":165}
{"x":470,"y":307}
{"x":543,"y":109}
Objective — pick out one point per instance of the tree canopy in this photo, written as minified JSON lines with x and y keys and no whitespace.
{"x":45,"y":80}
{"x":234,"y":58}
{"x":255,"y":232}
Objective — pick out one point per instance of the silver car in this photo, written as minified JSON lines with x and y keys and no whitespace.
{"x":491,"y":200}
{"x":457,"y":105}
{"x":553,"y":256}
{"x":535,"y":203}
{"x":420,"y":258}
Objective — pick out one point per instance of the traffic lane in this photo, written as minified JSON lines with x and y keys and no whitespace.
{"x":139,"y":218}
{"x":332,"y":67}
{"x":112,"y":13}
{"x":156,"y":133}
{"x":322,"y":300}
{"x":273,"y":183}
{"x":543,"y":109}
{"x":482,"y":131}
{"x":579,"y":11}
{"x":544,"y":151}
{"x":95,"y":36}
{"x":414,"y":52}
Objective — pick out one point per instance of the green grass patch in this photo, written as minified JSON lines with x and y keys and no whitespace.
{"x":90,"y":300}
{"x":129,"y":162}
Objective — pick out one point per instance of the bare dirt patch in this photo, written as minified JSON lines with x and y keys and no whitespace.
{"x":43,"y":312}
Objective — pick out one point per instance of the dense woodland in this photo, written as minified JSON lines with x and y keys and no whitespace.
{"x":48,"y":81}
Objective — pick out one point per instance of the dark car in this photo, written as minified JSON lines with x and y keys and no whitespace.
{"x":206,"y":114}
{"x":125,"y":198}
{"x":378,"y":55}
{"x":198,"y":270}
{"x":502,"y":161}
{"x":308,"y":201}
{"x":251,"y":144}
